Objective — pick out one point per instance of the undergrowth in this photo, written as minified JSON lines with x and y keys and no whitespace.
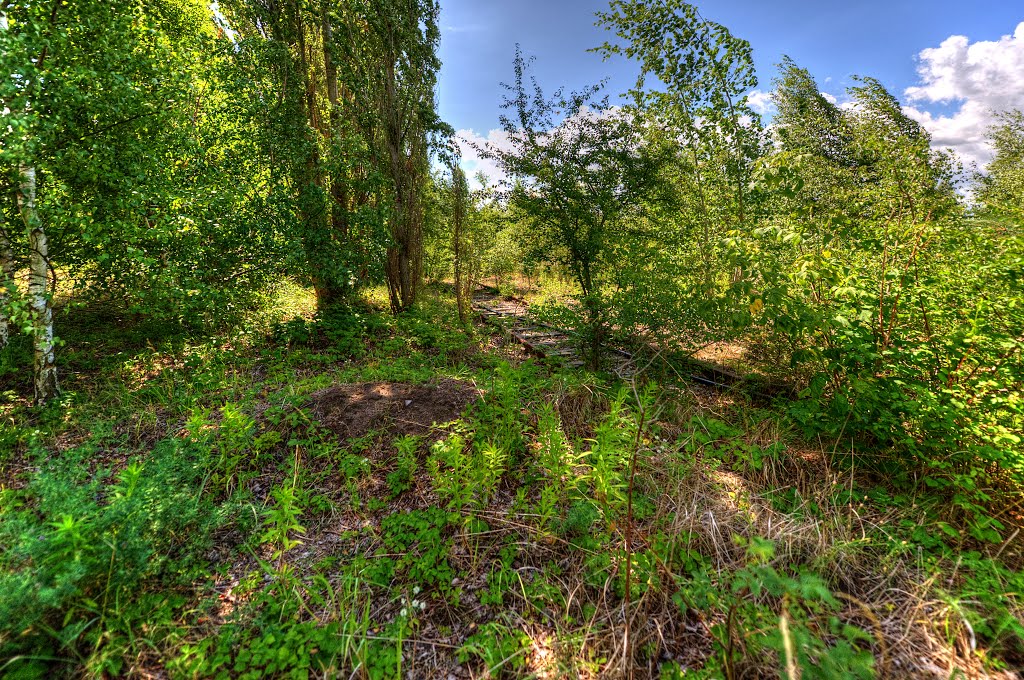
{"x":184,"y":512}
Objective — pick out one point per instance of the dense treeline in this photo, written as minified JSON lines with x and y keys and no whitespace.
{"x":165,"y":160}
{"x":174,"y":162}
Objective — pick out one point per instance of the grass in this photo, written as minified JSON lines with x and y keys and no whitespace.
{"x":187,"y":511}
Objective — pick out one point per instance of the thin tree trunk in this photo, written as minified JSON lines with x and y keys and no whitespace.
{"x":6,"y":279}
{"x":458,"y":216}
{"x":405,"y":256}
{"x":314,"y":212}
{"x":6,"y":251}
{"x":457,"y":238}
{"x":45,"y":367}
{"x":339,"y":194}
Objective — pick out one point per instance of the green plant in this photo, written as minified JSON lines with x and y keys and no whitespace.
{"x":400,"y":479}
{"x":578,"y":179}
{"x":450,"y":470}
{"x":555,"y":462}
{"x":282,"y":524}
{"x":501,"y":579}
{"x":416,"y":541}
{"x":76,"y":552}
{"x":609,"y":458}
{"x":791,"y":619}
{"x":501,"y":648}
{"x":235,"y":438}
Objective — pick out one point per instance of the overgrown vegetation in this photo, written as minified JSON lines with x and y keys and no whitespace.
{"x":283,"y":445}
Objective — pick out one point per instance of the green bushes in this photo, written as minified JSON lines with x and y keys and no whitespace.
{"x":901,"y":314}
{"x":343,"y":329}
{"x":78,"y":546}
{"x":770,"y":618}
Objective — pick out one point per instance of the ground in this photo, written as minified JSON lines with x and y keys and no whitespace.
{"x":356,"y":495}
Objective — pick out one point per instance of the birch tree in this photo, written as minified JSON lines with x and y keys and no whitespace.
{"x":1001,"y":190}
{"x":45,"y":367}
{"x":125,"y":167}
{"x":6,"y":245}
{"x":692,"y":83}
{"x":41,"y":313}
{"x":6,"y":283}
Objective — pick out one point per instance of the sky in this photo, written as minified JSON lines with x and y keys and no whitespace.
{"x":950,"y":63}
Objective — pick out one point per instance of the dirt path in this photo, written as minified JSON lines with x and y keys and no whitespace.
{"x":550,"y":342}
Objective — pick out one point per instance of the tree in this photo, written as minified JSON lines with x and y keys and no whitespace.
{"x":406,"y":38}
{"x":860,"y":260}
{"x":129,"y":165}
{"x":353,"y":119}
{"x":806,"y":122}
{"x":1001,"y":189}
{"x":580,"y":169}
{"x":460,"y":213}
{"x":319,"y":162}
{"x":706,"y":73}
{"x":691,"y":86}
{"x":22,"y":95}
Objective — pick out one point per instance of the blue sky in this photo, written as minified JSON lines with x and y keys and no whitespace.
{"x":831,"y":38}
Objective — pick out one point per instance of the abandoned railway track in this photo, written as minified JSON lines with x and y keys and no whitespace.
{"x":543,"y":340}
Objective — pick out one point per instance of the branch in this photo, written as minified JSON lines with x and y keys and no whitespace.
{"x":101,"y":130}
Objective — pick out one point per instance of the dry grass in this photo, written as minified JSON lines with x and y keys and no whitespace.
{"x":576,"y":626}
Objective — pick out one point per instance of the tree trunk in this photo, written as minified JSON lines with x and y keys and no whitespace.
{"x":458,"y":217}
{"x":45,"y":367}
{"x":406,"y":158}
{"x":339,"y":194}
{"x":6,"y":252}
{"x":318,"y":240}
{"x":6,"y":280}
{"x":595,"y":317}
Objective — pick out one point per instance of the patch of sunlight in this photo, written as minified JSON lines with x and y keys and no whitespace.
{"x":290,"y":299}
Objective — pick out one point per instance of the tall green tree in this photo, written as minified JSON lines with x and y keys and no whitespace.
{"x":701,"y":74}
{"x":580,"y":170}
{"x":1001,"y":188}
{"x":692,"y":84}
{"x":353,"y":120}
{"x":131,"y":169}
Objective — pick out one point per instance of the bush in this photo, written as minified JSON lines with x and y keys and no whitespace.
{"x":77,"y":546}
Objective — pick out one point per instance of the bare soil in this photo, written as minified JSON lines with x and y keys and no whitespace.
{"x":352,"y":411}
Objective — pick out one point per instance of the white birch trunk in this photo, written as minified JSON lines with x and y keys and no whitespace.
{"x":45,"y":367}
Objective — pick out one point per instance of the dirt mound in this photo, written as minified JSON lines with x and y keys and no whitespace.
{"x":351,"y":411}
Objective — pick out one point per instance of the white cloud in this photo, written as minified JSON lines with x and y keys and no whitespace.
{"x":470,"y":142}
{"x":472,"y":162}
{"x":982,"y":77}
{"x":761,"y":102}
{"x":829,"y":98}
